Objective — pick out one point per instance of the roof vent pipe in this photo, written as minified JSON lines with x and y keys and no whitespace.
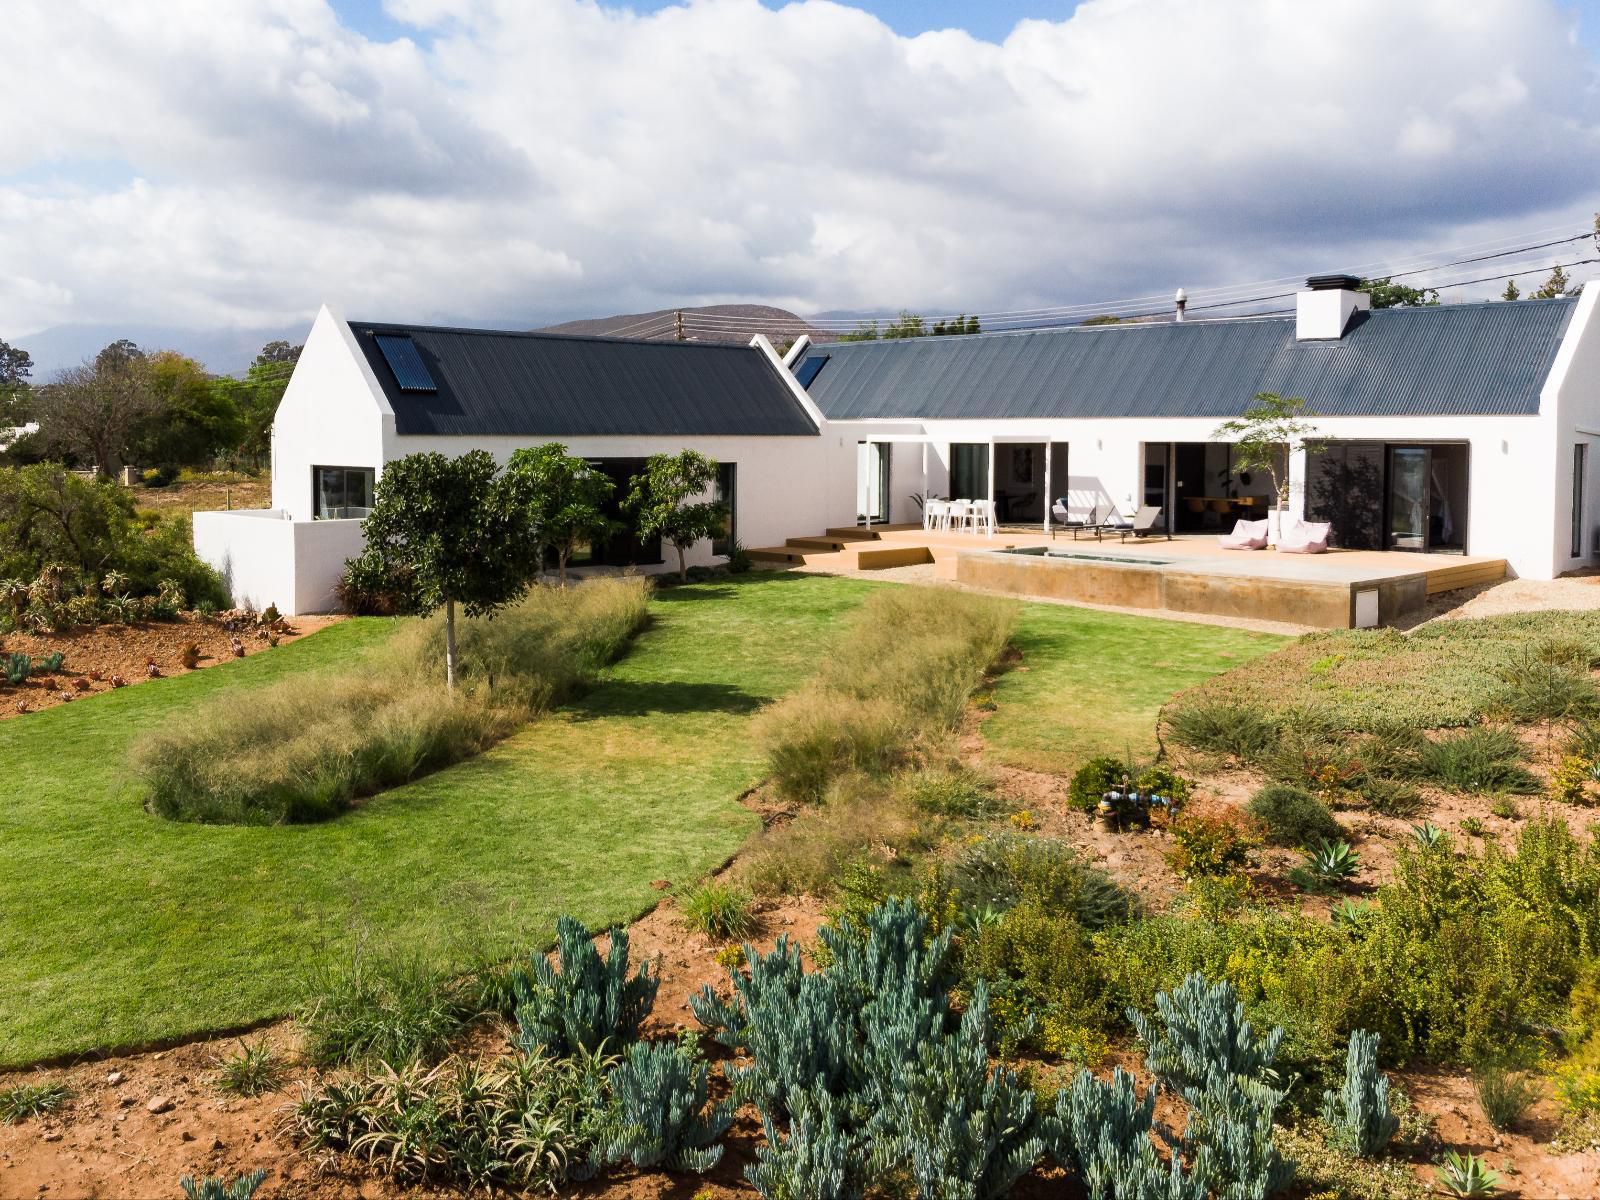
{"x":1180,"y":302}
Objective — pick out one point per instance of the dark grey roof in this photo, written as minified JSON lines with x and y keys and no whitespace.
{"x":1453,"y":359}
{"x":559,"y":385}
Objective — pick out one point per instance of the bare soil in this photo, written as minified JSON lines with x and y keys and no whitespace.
{"x":97,"y":659}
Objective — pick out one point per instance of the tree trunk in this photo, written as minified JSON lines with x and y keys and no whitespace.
{"x":683,"y":571}
{"x":450,"y":644}
{"x":561,"y":563}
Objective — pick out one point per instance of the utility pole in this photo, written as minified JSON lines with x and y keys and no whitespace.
{"x":679,"y":315}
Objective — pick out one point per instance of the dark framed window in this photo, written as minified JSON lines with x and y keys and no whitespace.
{"x":341,"y":493}
{"x":727,"y":495}
{"x":1580,"y":472}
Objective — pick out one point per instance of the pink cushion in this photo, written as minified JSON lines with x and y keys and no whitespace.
{"x":1305,"y":537}
{"x":1246,"y":535}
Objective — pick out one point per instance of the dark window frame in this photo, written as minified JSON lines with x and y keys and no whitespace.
{"x":370,"y":475}
{"x":726,"y":493}
{"x":1580,"y":480}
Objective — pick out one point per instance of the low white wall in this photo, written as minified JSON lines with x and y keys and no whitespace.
{"x":265,"y":558}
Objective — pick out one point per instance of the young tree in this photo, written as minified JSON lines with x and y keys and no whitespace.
{"x":906,"y":325}
{"x":1269,"y":432}
{"x":561,"y":498}
{"x":1556,"y":285}
{"x":664,"y":500}
{"x":1512,"y":292}
{"x":441,"y":534}
{"x":15,"y":366}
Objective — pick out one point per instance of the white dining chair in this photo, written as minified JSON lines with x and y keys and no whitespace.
{"x":983,"y":517}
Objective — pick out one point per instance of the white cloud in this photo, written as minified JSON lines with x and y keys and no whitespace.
{"x":520,"y":161}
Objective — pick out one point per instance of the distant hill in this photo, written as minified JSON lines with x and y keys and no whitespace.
{"x":731,"y":323}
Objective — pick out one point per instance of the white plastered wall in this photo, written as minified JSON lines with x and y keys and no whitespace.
{"x":1571,"y":403}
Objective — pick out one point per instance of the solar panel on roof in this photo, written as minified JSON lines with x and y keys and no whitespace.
{"x":808,"y":369}
{"x":410,"y":372}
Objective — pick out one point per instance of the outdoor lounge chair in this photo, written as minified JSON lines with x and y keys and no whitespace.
{"x":1305,"y":537}
{"x":1063,"y":519}
{"x":1246,"y":535}
{"x":1145,"y":522}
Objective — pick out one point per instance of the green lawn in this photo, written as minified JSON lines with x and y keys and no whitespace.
{"x":1092,"y":682}
{"x":121,"y":928}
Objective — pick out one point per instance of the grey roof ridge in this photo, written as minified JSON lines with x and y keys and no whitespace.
{"x":542,"y":335}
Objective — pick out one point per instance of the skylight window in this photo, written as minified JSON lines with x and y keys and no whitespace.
{"x":807,"y":371}
{"x":405,"y":360}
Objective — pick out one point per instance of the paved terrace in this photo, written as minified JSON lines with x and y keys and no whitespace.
{"x":1190,"y":573}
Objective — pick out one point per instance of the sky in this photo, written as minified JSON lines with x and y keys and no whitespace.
{"x":188,"y":165}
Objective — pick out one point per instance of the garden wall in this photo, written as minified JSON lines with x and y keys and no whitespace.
{"x":266,"y":558}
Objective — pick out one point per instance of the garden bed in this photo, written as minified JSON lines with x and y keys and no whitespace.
{"x":93,"y":656}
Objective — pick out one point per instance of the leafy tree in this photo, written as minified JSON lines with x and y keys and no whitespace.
{"x":441,"y":534}
{"x":957,"y":325}
{"x":256,"y":397}
{"x":15,"y":367}
{"x":1388,"y":294}
{"x":94,"y":412}
{"x":1512,"y":292}
{"x":1266,"y":435}
{"x":562,"y":499}
{"x":906,"y":325}
{"x":866,"y":331}
{"x":1104,"y":319}
{"x":664,"y":500}
{"x":197,"y":418}
{"x":1556,"y":285}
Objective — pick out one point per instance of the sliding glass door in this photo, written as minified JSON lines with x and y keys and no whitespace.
{"x":1427,"y":497}
{"x":872,"y":481}
{"x":969,"y":470}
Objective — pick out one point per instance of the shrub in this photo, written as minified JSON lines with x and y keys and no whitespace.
{"x":899,"y":678}
{"x":808,"y":855}
{"x":951,"y":792}
{"x":1390,"y":797}
{"x":380,"y":1006}
{"x":1359,"y":1113}
{"x":1043,"y":989}
{"x":1242,"y":730}
{"x":1292,"y":816}
{"x":1095,"y":778}
{"x":821,"y":1157}
{"x":1548,"y":681}
{"x":1478,"y":760}
{"x":589,"y":1003}
{"x":661,"y":1117}
{"x":32,"y":1100}
{"x":251,"y":1072}
{"x":1569,"y":782}
{"x":1209,"y":844}
{"x":1009,"y":869}
{"x":528,"y":1122}
{"x":719,"y":910}
{"x":1204,"y":1030}
{"x":213,"y":1187}
{"x":283,"y":754}
{"x":1503,"y":1093}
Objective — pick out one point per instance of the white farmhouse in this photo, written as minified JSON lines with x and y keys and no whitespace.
{"x":1457,"y":429}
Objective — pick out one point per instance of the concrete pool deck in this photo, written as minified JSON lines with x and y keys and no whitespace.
{"x":1191,"y":574}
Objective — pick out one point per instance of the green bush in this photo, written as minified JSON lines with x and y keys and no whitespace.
{"x":1209,"y":844}
{"x":1292,"y":816}
{"x":381,"y":1006}
{"x":522,"y":1122}
{"x":1504,"y":1094}
{"x":1391,"y":797}
{"x":26,"y":1100}
{"x":898,"y":679}
{"x":286,"y":754}
{"x":1549,"y":680}
{"x":662,"y":1117}
{"x":1245,"y":731}
{"x":1043,"y":990}
{"x":810,"y":854}
{"x":951,"y":792}
{"x":1477,"y":760}
{"x":719,"y":910}
{"x":1095,"y":778}
{"x":1009,"y":869}
{"x":251,"y":1072}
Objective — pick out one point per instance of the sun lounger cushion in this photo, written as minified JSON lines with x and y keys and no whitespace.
{"x":1305,"y":537}
{"x":1246,"y":535}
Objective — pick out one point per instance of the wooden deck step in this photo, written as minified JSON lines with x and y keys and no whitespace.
{"x":822,"y":545}
{"x":777,"y":554}
{"x":1463,"y":575}
{"x":852,"y":533}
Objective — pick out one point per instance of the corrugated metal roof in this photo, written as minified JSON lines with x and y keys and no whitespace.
{"x":1455,"y":359}
{"x":554,"y":385}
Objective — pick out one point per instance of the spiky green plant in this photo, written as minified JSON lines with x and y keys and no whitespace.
{"x":1100,"y":1131}
{"x":1428,"y":836}
{"x":16,"y":667}
{"x":32,"y":1100}
{"x":1359,"y":1113}
{"x":1467,"y":1176}
{"x":1202,"y":1029}
{"x":251,"y":1072}
{"x":1333,"y":862}
{"x":662,"y":1118}
{"x":1229,"y":1138}
{"x":214,"y":1188}
{"x":823,"y":1157}
{"x":1353,"y":916}
{"x":719,"y":910}
{"x":590,"y":1002}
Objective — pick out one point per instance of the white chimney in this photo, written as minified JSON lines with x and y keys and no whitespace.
{"x":1324,"y":309}
{"x":1180,"y":302}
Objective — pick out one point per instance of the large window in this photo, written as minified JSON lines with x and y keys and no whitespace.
{"x":969,"y":470}
{"x":341,"y":493}
{"x":1580,"y":471}
{"x":727,"y":495}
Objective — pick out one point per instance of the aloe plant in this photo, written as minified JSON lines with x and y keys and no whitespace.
{"x":1353,"y":916}
{"x":1427,"y":835}
{"x":1333,"y":862}
{"x":1467,"y":1176}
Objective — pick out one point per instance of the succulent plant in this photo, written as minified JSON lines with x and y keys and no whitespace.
{"x":1334,"y":862}
{"x":1427,"y":835}
{"x":1467,"y":1176}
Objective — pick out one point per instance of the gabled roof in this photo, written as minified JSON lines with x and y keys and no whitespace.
{"x":1448,"y":360}
{"x":490,"y":383}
